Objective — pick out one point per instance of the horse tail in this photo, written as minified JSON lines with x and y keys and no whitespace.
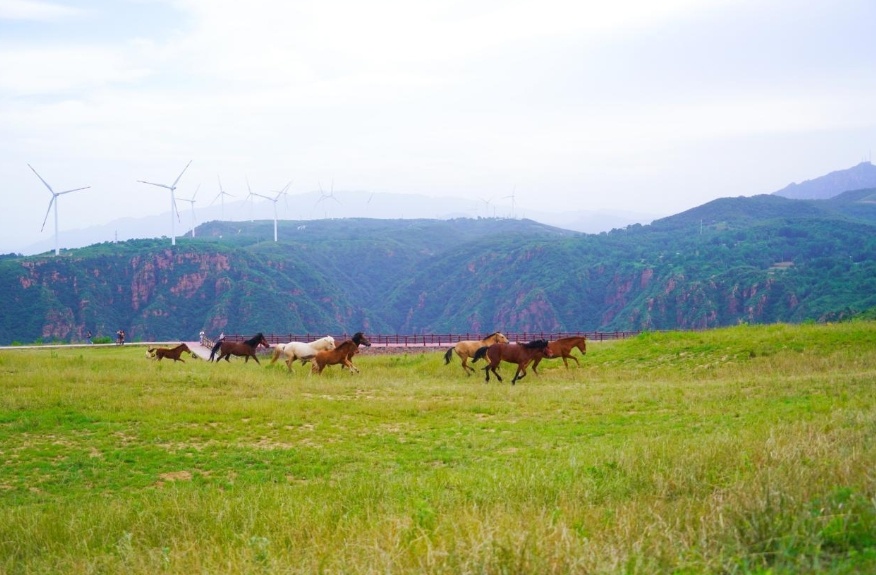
{"x":448,"y":356}
{"x":481,"y":353}
{"x":275,"y":355}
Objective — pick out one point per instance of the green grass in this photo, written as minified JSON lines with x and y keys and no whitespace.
{"x":743,"y":450}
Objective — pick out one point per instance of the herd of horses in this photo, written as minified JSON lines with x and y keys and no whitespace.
{"x":321,"y":353}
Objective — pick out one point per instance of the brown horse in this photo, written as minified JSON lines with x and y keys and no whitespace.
{"x":342,"y":354}
{"x":241,"y":348}
{"x":563,"y":348}
{"x":467,"y":348}
{"x":520,"y":353}
{"x":173,"y":353}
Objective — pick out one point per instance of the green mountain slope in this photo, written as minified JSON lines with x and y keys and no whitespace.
{"x":761,"y":259}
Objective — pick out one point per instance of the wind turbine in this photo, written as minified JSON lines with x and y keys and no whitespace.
{"x":221,"y":197}
{"x":173,"y":209}
{"x":249,"y":197}
{"x":324,"y":196}
{"x":53,"y":202}
{"x":512,"y":200}
{"x":487,"y":204}
{"x":192,"y":203}
{"x":274,"y":199}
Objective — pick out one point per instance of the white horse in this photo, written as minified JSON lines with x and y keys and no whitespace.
{"x":300,"y":350}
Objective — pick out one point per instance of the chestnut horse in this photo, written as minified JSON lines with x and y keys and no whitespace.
{"x":173,"y":353}
{"x":342,"y":354}
{"x":563,"y":348}
{"x":520,"y":353}
{"x":467,"y":348}
{"x":241,"y":348}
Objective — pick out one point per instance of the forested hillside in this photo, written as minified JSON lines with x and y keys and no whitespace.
{"x":761,"y":259}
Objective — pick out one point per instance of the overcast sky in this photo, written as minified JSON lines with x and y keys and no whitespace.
{"x":646,"y":106}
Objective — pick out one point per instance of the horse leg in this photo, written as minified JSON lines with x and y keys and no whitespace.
{"x":577,"y":363}
{"x":520,"y":373}
{"x":465,"y":366}
{"x":316,"y":367}
{"x":492,"y":367}
{"x":254,"y":357}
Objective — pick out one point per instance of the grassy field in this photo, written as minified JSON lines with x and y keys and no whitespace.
{"x":742,"y":450}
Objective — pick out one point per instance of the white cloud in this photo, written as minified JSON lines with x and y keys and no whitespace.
{"x":465,"y":98}
{"x":34,"y":10}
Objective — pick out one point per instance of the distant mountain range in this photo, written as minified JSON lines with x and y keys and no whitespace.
{"x":759,"y":259}
{"x":862,"y":176}
{"x":341,"y":204}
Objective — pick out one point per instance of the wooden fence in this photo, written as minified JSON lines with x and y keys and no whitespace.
{"x":438,"y":339}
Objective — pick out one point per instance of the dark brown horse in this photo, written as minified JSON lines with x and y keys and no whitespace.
{"x":246,"y":348}
{"x":520,"y":353}
{"x":563,"y":348}
{"x":342,"y":354}
{"x":173,"y":353}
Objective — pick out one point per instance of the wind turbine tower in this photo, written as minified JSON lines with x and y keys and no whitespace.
{"x":191,"y":202}
{"x":54,"y":202}
{"x":173,"y":209}
{"x":274,"y":199}
{"x":512,"y":196}
{"x":221,"y":198}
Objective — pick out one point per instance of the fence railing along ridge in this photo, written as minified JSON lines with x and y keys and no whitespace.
{"x":439,"y":340}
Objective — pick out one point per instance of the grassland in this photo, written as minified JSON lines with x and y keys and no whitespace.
{"x":743,"y":450}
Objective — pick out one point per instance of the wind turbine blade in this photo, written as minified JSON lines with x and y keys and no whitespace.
{"x":154,"y":184}
{"x":76,"y":190}
{"x":198,"y":189}
{"x":45,"y":183}
{"x":45,"y":219}
{"x":181,"y":174}
{"x":219,"y":195}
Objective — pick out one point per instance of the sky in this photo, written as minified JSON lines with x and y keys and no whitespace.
{"x":647,"y":107}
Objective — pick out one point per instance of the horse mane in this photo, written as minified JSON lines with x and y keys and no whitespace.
{"x":536,"y":344}
{"x":346,"y":344}
{"x":254,"y":340}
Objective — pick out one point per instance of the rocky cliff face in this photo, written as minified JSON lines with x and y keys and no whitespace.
{"x":161,"y":295}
